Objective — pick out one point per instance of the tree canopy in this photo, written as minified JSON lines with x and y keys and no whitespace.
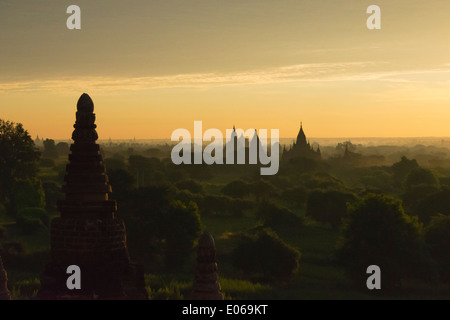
{"x":18,"y":156}
{"x":378,"y":232}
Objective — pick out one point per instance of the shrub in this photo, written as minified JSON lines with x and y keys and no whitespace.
{"x":377,"y":231}
{"x":33,"y":213}
{"x":183,"y":227}
{"x":328,"y":206}
{"x":47,"y":163}
{"x":190,"y":185}
{"x":274,"y":216}
{"x":29,"y":225}
{"x":437,"y":238}
{"x":236,"y":189}
{"x":266,"y":256}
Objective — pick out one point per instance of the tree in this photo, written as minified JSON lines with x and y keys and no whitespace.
{"x":328,"y":206}
{"x":144,"y":218}
{"x":402,"y":168}
{"x":378,"y":232}
{"x":266,"y":256}
{"x":421,"y":177}
{"x":433,"y":204}
{"x":263,"y":189}
{"x":437,"y":238}
{"x":62,"y":148}
{"x":190,"y":185}
{"x":183,"y":227}
{"x":18,"y":156}
{"x":122,"y":182}
{"x":295,"y":197}
{"x":27,"y":194}
{"x":50,"y":150}
{"x":274,"y":216}
{"x":236,"y":189}
{"x":53,"y":193}
{"x":142,"y":167}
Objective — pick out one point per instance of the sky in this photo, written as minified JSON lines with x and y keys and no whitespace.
{"x":153,"y":66}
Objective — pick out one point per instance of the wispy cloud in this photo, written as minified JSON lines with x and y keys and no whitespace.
{"x":312,"y":73}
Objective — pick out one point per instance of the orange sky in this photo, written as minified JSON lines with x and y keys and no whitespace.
{"x":154,"y":66}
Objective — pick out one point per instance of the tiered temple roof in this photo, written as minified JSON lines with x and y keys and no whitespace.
{"x":88,"y":233}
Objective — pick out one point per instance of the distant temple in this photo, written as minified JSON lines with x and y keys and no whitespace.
{"x":88,"y":234}
{"x":301,"y":148}
{"x":241,"y":143}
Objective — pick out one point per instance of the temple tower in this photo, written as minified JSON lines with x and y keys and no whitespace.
{"x":88,"y":233}
{"x":206,"y":283}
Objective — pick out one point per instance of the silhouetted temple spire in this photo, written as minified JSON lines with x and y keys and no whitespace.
{"x":85,"y":121}
{"x":301,"y":137}
{"x":4,"y":292}
{"x":301,"y":148}
{"x":88,"y":234}
{"x":206,"y":283}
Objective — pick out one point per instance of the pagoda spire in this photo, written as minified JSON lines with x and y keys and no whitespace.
{"x":88,"y":233}
{"x":206,"y":283}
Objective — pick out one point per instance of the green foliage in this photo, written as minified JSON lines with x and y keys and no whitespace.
{"x":4,"y":217}
{"x":47,"y":163}
{"x":142,"y":168}
{"x":12,"y":252}
{"x":53,"y":193}
{"x":379,"y":178}
{"x":25,"y":289}
{"x":322,"y":180}
{"x":328,"y":206}
{"x":62,"y":149}
{"x":401,"y":170}
{"x":433,"y":204}
{"x":161,"y":288}
{"x":190,"y":185}
{"x":414,"y":196}
{"x":275,"y":216}
{"x":29,"y":225}
{"x":50,"y":150}
{"x":122,"y":182}
{"x":171,"y":292}
{"x":223,"y":206}
{"x":437,"y":239}
{"x":183,"y":227}
{"x":236,"y":189}
{"x":244,"y":290}
{"x":266,"y":256}
{"x":421,"y":176}
{"x":377,"y":231}
{"x":144,"y":210}
{"x":27,"y":193}
{"x":295,"y":197}
{"x":114,"y":163}
{"x":34,"y":213}
{"x":263,"y":189}
{"x":3,"y":234}
{"x":18,"y":156}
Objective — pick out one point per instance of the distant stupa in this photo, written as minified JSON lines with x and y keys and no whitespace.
{"x":88,"y":234}
{"x":206,"y":283}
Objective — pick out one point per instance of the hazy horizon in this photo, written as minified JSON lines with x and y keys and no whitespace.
{"x":322,"y":141}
